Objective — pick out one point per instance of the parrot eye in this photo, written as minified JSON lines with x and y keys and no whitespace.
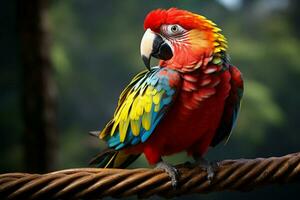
{"x":172,"y":30}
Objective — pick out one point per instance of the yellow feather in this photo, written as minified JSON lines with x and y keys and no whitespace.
{"x":199,"y":16}
{"x":149,"y":90}
{"x":223,"y":48}
{"x":224,"y":45}
{"x":133,"y":112}
{"x":124,"y":119}
{"x":117,"y":115}
{"x":216,"y":43}
{"x":154,"y":91}
{"x":139,"y":107}
{"x":135,"y":127}
{"x":116,"y":123}
{"x":216,"y":29}
{"x":222,"y":39}
{"x":147,"y":102}
{"x":130,"y":98}
{"x":146,"y":120}
{"x":211,"y":23}
{"x":123,"y":126}
{"x":157,"y":97}
{"x":148,"y":107}
{"x":124,"y":113}
{"x":217,"y":50}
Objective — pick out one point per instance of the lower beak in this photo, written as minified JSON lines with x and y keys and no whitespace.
{"x":154,"y":45}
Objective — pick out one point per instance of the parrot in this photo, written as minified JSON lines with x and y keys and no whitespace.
{"x":188,"y":103}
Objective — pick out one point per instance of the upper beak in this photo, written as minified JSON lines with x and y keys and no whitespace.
{"x":154,"y":45}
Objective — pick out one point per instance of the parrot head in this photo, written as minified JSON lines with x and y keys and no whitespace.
{"x":182,"y":40}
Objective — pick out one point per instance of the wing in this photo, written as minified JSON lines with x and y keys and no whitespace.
{"x":231,"y":109}
{"x":141,"y":106}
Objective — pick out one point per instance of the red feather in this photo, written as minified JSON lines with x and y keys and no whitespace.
{"x":188,"y":20}
{"x":195,"y":116}
{"x":191,"y":123}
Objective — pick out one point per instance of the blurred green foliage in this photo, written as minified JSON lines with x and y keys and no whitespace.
{"x":96,"y":52}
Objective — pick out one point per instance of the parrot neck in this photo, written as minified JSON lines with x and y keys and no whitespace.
{"x":202,"y":62}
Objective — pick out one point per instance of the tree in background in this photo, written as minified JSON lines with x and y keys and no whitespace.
{"x":38,"y":89}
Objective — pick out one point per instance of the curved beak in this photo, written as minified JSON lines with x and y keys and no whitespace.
{"x":154,"y":45}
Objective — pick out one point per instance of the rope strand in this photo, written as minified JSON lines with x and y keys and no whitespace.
{"x":84,"y":183}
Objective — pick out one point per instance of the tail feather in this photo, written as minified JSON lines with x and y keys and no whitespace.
{"x":111,"y":158}
{"x":95,"y":133}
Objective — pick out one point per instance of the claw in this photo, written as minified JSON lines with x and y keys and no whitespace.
{"x":210,"y":172}
{"x":209,"y":167}
{"x":172,"y":172}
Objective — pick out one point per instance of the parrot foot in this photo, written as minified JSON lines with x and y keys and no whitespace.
{"x":209,"y":167}
{"x":171,"y":170}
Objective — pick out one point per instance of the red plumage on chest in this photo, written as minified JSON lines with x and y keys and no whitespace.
{"x":193,"y":119}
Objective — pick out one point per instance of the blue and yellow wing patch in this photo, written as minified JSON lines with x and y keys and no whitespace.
{"x":141,"y":106}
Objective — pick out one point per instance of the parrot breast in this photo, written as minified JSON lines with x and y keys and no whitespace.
{"x":192,"y":121}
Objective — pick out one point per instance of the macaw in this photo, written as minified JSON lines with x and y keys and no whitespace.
{"x":189,"y":102}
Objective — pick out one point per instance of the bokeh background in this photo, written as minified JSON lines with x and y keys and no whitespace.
{"x":87,"y":51}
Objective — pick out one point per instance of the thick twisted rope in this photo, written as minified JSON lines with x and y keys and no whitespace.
{"x":92,"y":183}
